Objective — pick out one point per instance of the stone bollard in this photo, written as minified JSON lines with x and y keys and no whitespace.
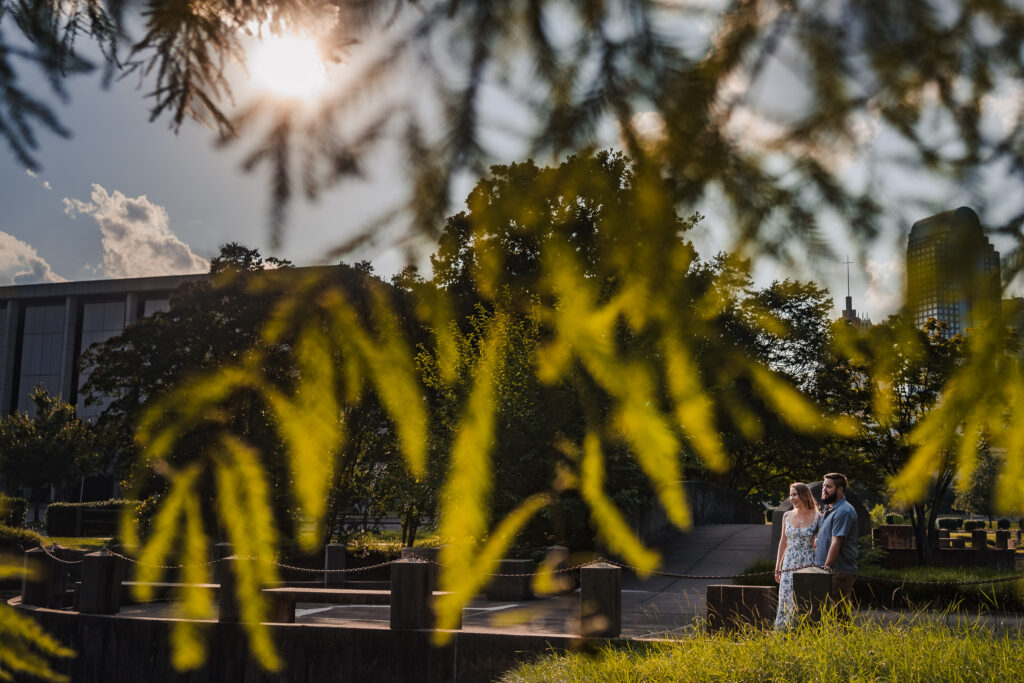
{"x":557,"y":557}
{"x":43,"y":582}
{"x":943,"y":533}
{"x":425,"y":554}
{"x":220,"y":551}
{"x":516,"y":582}
{"x":1003,"y":539}
{"x":334,"y":559}
{"x":812,"y":587}
{"x":958,"y":542}
{"x":600,"y":600}
{"x":979,"y":539}
{"x":229,"y":610}
{"x":101,"y":584}
{"x":412,"y":600}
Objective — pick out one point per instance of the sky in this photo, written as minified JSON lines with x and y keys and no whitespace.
{"x":127,"y":197}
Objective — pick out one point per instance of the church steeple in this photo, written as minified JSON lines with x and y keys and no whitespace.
{"x":850,"y":313}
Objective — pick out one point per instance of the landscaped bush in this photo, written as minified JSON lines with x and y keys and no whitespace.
{"x":18,"y":540}
{"x":145,"y":512}
{"x":754,"y":575}
{"x":13,"y":511}
{"x":894,"y":518}
{"x":877,"y":515}
{"x":972,"y":524}
{"x":951,"y":523}
{"x":62,"y":518}
{"x":828,"y":652}
{"x":1003,"y":523}
{"x":911,"y":588}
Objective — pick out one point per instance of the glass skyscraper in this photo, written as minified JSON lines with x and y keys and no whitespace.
{"x":952,"y":271}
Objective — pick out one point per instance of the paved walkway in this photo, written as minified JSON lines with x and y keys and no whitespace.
{"x":657,"y":606}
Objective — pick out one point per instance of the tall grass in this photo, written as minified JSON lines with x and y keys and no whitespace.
{"x":830,"y":651}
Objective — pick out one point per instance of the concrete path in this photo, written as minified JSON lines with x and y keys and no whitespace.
{"x":659,"y":606}
{"x":652,"y":607}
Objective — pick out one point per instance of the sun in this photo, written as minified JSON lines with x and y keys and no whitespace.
{"x":288,"y":65}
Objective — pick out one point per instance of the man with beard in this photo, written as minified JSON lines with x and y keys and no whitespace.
{"x":836,"y":546}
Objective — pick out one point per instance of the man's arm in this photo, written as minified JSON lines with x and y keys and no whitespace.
{"x":833,"y":551}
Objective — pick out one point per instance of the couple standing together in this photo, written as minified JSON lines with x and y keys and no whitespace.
{"x":826,"y":538}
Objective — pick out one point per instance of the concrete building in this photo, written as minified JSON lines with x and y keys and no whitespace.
{"x":45,"y":327}
{"x":952,"y":271}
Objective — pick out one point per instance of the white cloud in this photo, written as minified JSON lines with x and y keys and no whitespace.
{"x":21,"y":265}
{"x":885,"y":286}
{"x":47,"y":185}
{"x":30,"y":173}
{"x":137,"y":239}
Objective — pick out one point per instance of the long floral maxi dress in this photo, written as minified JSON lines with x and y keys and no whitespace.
{"x":799,"y":551}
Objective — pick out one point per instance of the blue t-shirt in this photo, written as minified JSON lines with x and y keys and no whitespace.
{"x":840,"y":521}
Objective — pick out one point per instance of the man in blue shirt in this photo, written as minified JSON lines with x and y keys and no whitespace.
{"x":836,"y":546}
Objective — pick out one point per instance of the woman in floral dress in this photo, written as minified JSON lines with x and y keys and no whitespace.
{"x":796,"y":548}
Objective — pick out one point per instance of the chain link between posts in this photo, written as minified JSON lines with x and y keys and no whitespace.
{"x":566,"y":570}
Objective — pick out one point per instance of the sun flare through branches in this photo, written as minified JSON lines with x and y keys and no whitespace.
{"x":288,"y":66}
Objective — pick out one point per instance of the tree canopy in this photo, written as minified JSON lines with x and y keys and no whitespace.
{"x":52,"y":446}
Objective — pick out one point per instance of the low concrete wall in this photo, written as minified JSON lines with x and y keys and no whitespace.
{"x":709,"y":504}
{"x":730,"y":607}
{"x":115,"y":649}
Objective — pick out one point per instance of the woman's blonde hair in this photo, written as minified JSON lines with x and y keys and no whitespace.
{"x":803,"y":492}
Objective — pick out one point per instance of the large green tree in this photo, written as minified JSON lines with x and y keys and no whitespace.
{"x":50,"y":447}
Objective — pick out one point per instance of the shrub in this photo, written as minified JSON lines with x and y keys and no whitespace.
{"x":877,"y":515}
{"x":97,"y":518}
{"x":18,"y":539}
{"x":951,"y":523}
{"x":894,"y":518}
{"x":972,"y":524}
{"x":949,"y":588}
{"x":1003,"y":523}
{"x":13,"y":511}
{"x":754,"y":575}
{"x":145,"y":511}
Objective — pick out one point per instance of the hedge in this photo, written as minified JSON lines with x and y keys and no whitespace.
{"x":942,"y":588}
{"x":973,"y":524}
{"x":14,"y":509}
{"x":20,"y":539}
{"x":97,"y":518}
{"x":951,"y":523}
{"x":894,"y":518}
{"x":1003,"y":523}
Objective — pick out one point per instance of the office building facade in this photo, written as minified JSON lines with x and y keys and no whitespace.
{"x":953,"y":272}
{"x":44,"y":328}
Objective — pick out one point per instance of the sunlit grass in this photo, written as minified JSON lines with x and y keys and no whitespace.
{"x":829,"y":652}
{"x":89,"y":543}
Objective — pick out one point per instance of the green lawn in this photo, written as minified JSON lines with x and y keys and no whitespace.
{"x":81,"y":542}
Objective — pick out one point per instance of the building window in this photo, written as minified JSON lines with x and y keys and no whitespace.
{"x":41,"y":351}
{"x":100,"y":321}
